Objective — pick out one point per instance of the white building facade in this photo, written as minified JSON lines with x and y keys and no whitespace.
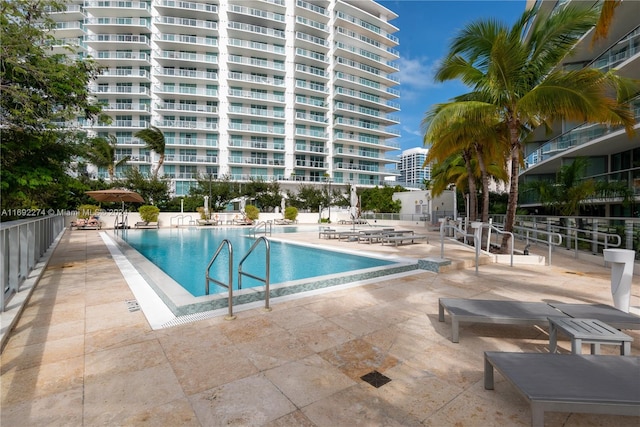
{"x":288,"y":90}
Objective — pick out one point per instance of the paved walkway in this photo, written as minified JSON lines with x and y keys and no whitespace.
{"x":79,"y":357}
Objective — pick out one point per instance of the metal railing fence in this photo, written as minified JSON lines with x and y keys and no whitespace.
{"x":23,"y":243}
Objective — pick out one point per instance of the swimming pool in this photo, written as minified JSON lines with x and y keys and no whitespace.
{"x":194,"y":246}
{"x":184,"y":253}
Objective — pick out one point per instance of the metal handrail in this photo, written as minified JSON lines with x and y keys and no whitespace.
{"x":123,"y":224}
{"x":228,"y":285}
{"x":549,"y":241}
{"x":180,"y":220}
{"x":261,"y":224}
{"x":499,"y":231}
{"x":265,"y":280}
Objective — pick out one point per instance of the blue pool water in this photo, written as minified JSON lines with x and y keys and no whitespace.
{"x":184,"y":253}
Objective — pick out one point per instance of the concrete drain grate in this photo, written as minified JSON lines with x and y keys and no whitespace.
{"x":375,"y":378}
{"x":133,"y":305}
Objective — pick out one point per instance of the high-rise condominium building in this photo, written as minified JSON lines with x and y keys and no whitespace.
{"x":613,"y":155}
{"x":288,"y":90}
{"x":412,"y":169}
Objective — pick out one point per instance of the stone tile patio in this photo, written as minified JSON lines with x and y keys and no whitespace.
{"x":79,"y":357}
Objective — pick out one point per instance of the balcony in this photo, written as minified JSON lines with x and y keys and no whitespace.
{"x":105,"y":8}
{"x":311,"y":56}
{"x":182,"y":41}
{"x":169,"y":57}
{"x":124,"y":74}
{"x":255,"y":62}
{"x":125,"y":124}
{"x":367,"y":126}
{"x":312,"y":148}
{"x":185,"y":8}
{"x":345,"y":65}
{"x":124,"y":106}
{"x":247,"y":127}
{"x":132,"y":158}
{"x":317,"y":41}
{"x":316,"y":88}
{"x":185,"y":158}
{"x":193,"y":142}
{"x":363,"y":96}
{"x":115,"y":25}
{"x":310,"y":10}
{"x":367,"y":112}
{"x":257,"y":30}
{"x":69,"y":29}
{"x":311,"y":133}
{"x":362,"y":54}
{"x":120,"y":90}
{"x":369,"y":41}
{"x":254,"y":79}
{"x":256,"y":161}
{"x":270,"y":51}
{"x":187,"y":124}
{"x":311,"y":117}
{"x":317,"y":103}
{"x":580,"y":135}
{"x":311,"y":71}
{"x":372,"y":31}
{"x":119,"y":41}
{"x":113,"y":58}
{"x":311,"y":164}
{"x":265,"y":97}
{"x":256,"y":145}
{"x":315,"y":25}
{"x":190,"y":108}
{"x":257,"y":14}
{"x":353,"y":152}
{"x":256,"y":112}
{"x":369,"y":85}
{"x":174,"y":74}
{"x":356,"y":167}
{"x":195,"y":26}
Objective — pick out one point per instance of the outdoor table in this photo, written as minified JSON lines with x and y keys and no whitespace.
{"x":587,"y":331}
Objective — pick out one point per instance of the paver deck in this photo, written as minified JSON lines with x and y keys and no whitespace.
{"x":79,"y":357}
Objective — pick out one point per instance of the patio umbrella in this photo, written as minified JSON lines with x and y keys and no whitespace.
{"x":353,"y":201}
{"x":116,"y":195}
{"x":283,"y":205}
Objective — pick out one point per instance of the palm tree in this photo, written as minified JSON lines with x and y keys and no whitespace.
{"x":154,"y":140}
{"x":477,"y":141}
{"x":517,"y":79}
{"x":101,"y":152}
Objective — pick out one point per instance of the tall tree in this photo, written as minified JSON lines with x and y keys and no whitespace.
{"x":41,"y":94}
{"x":154,"y":140}
{"x":519,"y":79}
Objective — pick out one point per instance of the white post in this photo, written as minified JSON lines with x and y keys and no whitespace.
{"x":621,"y":273}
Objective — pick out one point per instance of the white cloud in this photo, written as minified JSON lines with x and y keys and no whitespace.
{"x":416,"y":73}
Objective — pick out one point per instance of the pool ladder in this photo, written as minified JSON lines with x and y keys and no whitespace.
{"x":241,"y":273}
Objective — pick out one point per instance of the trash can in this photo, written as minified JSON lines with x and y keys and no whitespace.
{"x":621,"y":273}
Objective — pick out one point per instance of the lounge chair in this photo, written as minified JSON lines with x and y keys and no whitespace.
{"x":527,"y":313}
{"x":282,"y":221}
{"x":146,"y":225}
{"x":569,"y":383}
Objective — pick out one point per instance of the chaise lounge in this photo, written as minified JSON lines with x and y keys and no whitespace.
{"x":527,"y":313}
{"x":569,"y":383}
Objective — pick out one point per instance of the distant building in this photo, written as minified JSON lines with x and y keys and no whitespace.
{"x":614,"y":157}
{"x":411,"y":167}
{"x":288,"y":91}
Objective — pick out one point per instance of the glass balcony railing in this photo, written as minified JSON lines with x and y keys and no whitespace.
{"x":575,"y":137}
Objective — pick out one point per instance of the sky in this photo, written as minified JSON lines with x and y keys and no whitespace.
{"x":426,"y":29}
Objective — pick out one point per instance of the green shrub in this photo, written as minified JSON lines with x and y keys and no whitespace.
{"x":87,"y":211}
{"x":252,"y":212}
{"x":291,"y":213}
{"x":149,"y":213}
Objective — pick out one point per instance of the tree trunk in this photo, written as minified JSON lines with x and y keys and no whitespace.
{"x":485,"y":195}
{"x":473,"y":191}
{"x":510,"y":217}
